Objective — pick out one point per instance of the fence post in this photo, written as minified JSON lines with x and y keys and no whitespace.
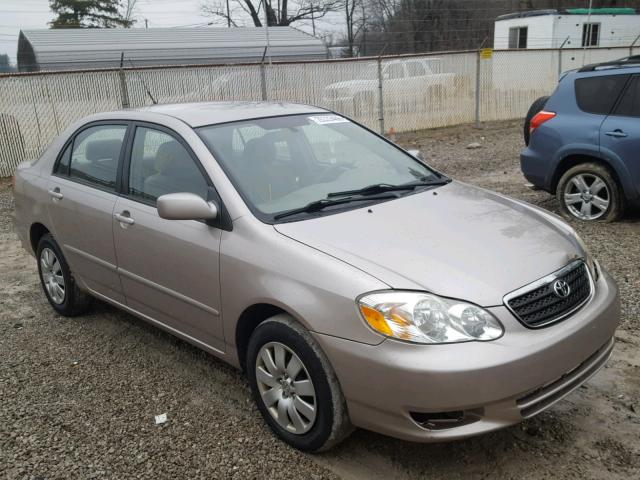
{"x":124,"y":93}
{"x":263,"y":76}
{"x":380,"y":97}
{"x":560,"y":56}
{"x":478,"y":64}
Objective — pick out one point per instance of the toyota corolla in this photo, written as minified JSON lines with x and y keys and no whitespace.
{"x":354,"y":284}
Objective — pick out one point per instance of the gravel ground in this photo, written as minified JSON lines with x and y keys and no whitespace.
{"x":78,"y":396}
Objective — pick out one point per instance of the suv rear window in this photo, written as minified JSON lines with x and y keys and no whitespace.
{"x":599,"y":94}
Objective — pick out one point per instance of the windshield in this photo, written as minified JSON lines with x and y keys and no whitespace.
{"x":284,"y":163}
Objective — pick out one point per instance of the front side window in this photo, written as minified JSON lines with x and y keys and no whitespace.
{"x":598,"y":94}
{"x":629,"y":105}
{"x":394,"y":71}
{"x":415,"y":69}
{"x":284,"y":163}
{"x":161,"y":165}
{"x":95,"y":155}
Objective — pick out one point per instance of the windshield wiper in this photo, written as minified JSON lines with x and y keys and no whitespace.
{"x":385,"y":187}
{"x":318,"y":205}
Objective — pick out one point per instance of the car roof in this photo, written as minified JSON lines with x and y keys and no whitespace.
{"x":211,"y":113}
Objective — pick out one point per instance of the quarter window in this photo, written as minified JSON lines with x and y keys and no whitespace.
{"x":62,"y":167}
{"x":629,"y":105}
{"x":599,"y":94}
{"x":95,"y":155}
{"x":161,"y":165}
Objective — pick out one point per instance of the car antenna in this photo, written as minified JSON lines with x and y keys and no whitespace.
{"x":146,"y":88}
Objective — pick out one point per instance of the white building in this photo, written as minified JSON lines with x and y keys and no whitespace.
{"x":573,"y":27}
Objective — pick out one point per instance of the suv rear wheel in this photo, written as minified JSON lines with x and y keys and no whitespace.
{"x":589,"y":192}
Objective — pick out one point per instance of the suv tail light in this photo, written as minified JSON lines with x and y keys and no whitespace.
{"x":539,"y":119}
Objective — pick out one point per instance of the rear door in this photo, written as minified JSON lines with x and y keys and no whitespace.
{"x":170,"y":269}
{"x":83,"y":194}
{"x":620,"y":132}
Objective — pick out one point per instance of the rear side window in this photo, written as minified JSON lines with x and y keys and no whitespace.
{"x":95,"y":155}
{"x":599,"y":94}
{"x":629,"y":105}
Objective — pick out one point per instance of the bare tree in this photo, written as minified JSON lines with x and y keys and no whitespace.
{"x":279,"y":12}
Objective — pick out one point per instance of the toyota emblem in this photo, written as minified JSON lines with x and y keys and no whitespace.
{"x":561,"y":288}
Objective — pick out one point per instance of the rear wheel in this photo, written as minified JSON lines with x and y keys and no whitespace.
{"x":295,"y":387}
{"x":590,"y":192}
{"x":57,"y":282}
{"x":536,"y":107}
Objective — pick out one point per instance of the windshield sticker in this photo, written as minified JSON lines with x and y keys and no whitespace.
{"x":326,"y":119}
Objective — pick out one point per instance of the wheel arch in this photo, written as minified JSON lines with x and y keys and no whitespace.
{"x":573,"y":159}
{"x":36,"y":232}
{"x":249,"y":319}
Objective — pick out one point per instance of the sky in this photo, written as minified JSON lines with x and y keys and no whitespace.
{"x":16,"y":15}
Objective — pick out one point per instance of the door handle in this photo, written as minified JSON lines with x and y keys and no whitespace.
{"x":56,"y":194}
{"x":616,"y":133}
{"x":125,"y":218}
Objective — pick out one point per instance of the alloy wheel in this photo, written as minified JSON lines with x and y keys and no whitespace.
{"x":52,"y":277}
{"x":286,"y":388}
{"x":587,"y":196}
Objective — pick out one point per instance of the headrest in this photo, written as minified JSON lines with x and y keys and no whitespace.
{"x":261,"y":150}
{"x":168,"y":153}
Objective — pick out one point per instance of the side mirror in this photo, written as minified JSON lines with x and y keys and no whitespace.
{"x":185,"y":206}
{"x":417,"y":153}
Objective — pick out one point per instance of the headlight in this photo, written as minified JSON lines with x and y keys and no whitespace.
{"x":426,"y":318}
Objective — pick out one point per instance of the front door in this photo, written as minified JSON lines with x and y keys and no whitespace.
{"x":83,"y":194}
{"x":169,"y":268}
{"x":620,"y":132}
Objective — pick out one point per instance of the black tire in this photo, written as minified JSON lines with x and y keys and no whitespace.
{"x":331,"y":423}
{"x":75,"y":302}
{"x":615,"y":195}
{"x":536,"y":107}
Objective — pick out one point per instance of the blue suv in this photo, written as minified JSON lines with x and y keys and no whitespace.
{"x":583,"y":142}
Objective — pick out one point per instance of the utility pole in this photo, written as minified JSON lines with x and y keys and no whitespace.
{"x":313,"y":20}
{"x":228,"y":16}
{"x":364,"y":31}
{"x":146,"y":23}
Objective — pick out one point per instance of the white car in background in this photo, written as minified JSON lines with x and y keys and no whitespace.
{"x":405,"y":82}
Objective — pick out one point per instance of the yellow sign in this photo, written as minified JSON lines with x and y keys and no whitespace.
{"x":486,"y":53}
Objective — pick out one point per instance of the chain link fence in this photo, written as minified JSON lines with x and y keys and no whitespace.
{"x":403,"y":93}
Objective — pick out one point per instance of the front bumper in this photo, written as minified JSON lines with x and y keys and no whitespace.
{"x":391,"y":387}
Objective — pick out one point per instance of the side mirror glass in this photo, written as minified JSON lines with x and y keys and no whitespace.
{"x":185,"y":206}
{"x":417,"y":153}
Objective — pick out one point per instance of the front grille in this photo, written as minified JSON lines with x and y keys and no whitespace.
{"x":538,"y":304}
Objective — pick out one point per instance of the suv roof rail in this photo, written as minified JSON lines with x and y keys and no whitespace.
{"x":622,"y":62}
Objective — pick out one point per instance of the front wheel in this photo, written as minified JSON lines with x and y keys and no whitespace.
{"x":295,"y":387}
{"x":589,"y":192}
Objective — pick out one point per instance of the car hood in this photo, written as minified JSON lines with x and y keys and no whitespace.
{"x":457,"y":241}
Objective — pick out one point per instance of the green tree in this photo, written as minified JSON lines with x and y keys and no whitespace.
{"x":88,"y":14}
